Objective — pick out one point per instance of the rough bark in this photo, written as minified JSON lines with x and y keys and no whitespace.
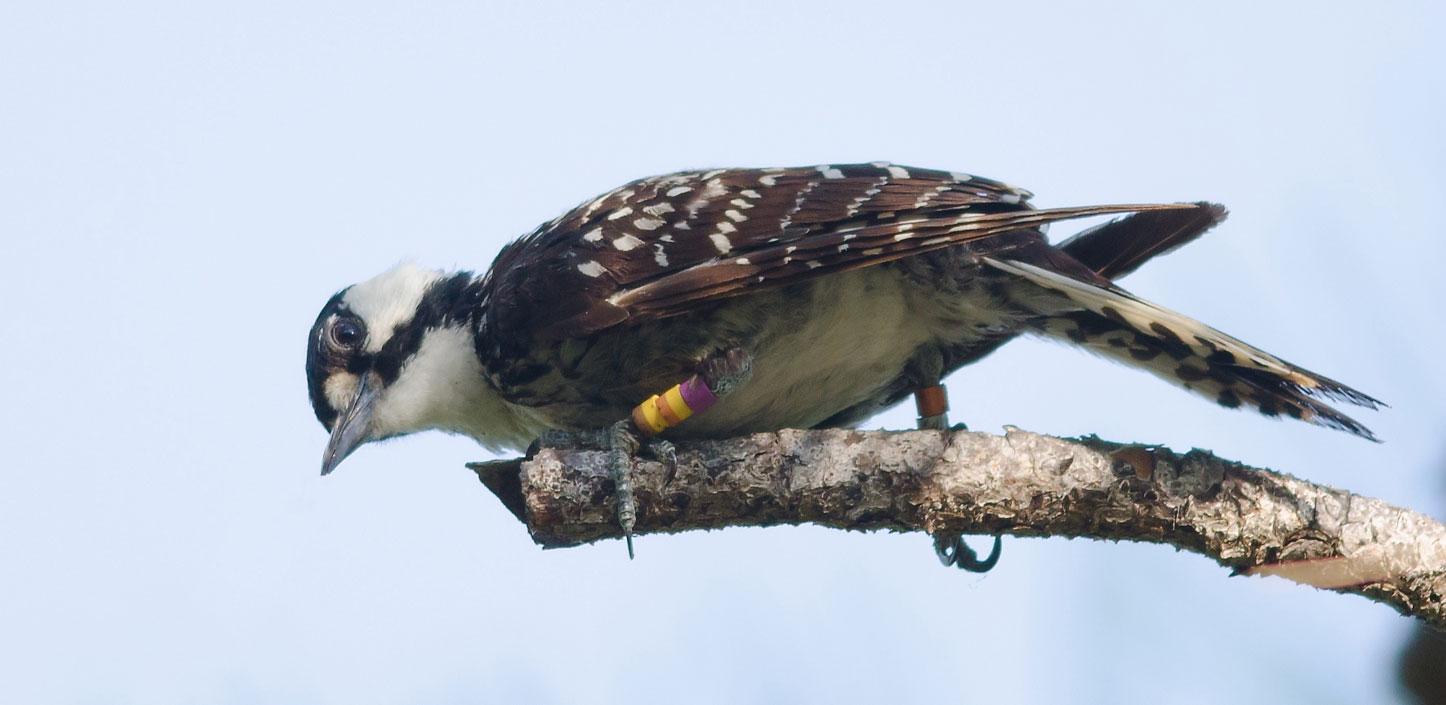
{"x":1250,"y":520}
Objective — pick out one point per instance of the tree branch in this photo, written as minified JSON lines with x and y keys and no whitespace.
{"x":1251,"y":520}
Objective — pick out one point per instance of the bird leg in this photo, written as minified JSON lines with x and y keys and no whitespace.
{"x":717,"y":375}
{"x":932,"y":403}
{"x":931,"y":400}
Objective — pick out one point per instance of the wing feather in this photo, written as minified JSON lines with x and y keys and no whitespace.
{"x":836,"y":251}
{"x":665,"y":245}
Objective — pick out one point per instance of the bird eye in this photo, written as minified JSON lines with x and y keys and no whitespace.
{"x":347,"y":333}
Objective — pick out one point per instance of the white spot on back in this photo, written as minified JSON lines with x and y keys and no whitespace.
{"x":659,"y":255}
{"x":678,"y":191}
{"x":623,"y":212}
{"x":592,"y":268}
{"x":594,"y":235}
{"x":735,"y":216}
{"x":830,"y":172}
{"x":721,"y":242}
{"x":626,"y":242}
{"x":648,"y":223}
{"x":713,"y":189}
{"x":897,"y":172}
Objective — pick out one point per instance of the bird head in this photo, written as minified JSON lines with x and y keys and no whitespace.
{"x":390,"y":356}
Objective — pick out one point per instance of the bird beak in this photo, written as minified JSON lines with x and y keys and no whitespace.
{"x":353,"y":426}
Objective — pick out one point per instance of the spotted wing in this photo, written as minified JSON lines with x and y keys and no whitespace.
{"x":666,"y":245}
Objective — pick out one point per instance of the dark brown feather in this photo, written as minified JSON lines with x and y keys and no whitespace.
{"x":665,"y":245}
{"x":1117,"y":248}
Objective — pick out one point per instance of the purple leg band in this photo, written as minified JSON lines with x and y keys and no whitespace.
{"x":696,"y":394}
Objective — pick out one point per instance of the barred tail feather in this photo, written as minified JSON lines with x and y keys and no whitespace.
{"x":1186,"y":352}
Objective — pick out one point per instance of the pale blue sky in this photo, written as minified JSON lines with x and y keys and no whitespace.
{"x":182,"y":185}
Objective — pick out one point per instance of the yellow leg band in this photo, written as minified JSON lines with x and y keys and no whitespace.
{"x":647,"y":418}
{"x":674,"y":399}
{"x":662,"y":411}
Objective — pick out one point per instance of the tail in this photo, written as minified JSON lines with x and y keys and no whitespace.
{"x":1186,"y":352}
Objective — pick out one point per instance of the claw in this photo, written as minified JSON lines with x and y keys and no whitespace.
{"x":945,"y":548}
{"x":662,"y":451}
{"x":953,"y":551}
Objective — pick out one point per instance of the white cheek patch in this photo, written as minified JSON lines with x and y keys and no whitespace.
{"x":389,"y":299}
{"x":340,"y":390}
{"x":436,"y":388}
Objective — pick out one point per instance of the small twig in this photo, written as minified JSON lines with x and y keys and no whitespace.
{"x":1251,"y":520}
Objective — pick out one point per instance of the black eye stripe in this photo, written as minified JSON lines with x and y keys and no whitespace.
{"x":449,"y":301}
{"x":358,"y":364}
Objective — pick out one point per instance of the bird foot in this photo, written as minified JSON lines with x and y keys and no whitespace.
{"x":623,"y":445}
{"x":953,"y":551}
{"x":933,"y":404}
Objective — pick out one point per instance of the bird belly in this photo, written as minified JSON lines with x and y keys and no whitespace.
{"x":858,"y":334}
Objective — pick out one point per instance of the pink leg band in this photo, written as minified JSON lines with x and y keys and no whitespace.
{"x":697,"y":394}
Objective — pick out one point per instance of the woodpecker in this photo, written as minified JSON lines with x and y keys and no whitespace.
{"x":708,"y":304}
